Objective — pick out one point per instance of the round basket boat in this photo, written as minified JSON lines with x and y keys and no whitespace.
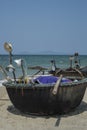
{"x":71,"y":72}
{"x":38,"y":98}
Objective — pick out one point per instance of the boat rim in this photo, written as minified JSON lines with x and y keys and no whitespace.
{"x":30,"y":85}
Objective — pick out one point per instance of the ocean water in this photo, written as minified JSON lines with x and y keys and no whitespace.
{"x":62,"y":61}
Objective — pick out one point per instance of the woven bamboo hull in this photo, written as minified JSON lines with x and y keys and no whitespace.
{"x":39,"y":99}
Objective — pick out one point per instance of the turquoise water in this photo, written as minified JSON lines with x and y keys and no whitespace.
{"x":62,"y":61}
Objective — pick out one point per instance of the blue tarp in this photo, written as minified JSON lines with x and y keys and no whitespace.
{"x":49,"y":79}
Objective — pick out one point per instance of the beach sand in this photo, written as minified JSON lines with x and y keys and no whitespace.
{"x":12,"y":119}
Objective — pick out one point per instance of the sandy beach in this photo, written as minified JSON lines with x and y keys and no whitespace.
{"x":12,"y":119}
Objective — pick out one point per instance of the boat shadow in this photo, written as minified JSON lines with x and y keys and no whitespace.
{"x":80,"y":109}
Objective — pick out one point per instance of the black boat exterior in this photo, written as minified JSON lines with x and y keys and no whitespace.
{"x":38,"y":99}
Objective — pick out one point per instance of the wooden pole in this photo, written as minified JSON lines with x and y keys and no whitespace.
{"x":55,"y":89}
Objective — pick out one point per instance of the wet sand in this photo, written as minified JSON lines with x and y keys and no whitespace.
{"x":12,"y":119}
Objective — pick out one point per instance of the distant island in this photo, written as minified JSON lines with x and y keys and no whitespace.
{"x":42,"y":53}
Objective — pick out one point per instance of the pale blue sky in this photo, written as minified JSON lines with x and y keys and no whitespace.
{"x":44,"y":26}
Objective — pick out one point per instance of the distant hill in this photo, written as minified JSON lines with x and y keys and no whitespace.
{"x":42,"y":53}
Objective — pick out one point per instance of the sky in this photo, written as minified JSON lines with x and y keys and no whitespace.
{"x":44,"y":26}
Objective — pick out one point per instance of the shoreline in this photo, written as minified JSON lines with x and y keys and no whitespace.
{"x":13,"y":119}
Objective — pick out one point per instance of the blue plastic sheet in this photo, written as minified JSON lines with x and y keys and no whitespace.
{"x":49,"y":79}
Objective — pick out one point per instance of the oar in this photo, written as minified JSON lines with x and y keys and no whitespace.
{"x":4,"y":73}
{"x":37,"y":73}
{"x":55,"y":89}
{"x":8,"y":48}
{"x":77,"y":70}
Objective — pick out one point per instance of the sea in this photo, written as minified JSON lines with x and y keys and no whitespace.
{"x":62,"y":61}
